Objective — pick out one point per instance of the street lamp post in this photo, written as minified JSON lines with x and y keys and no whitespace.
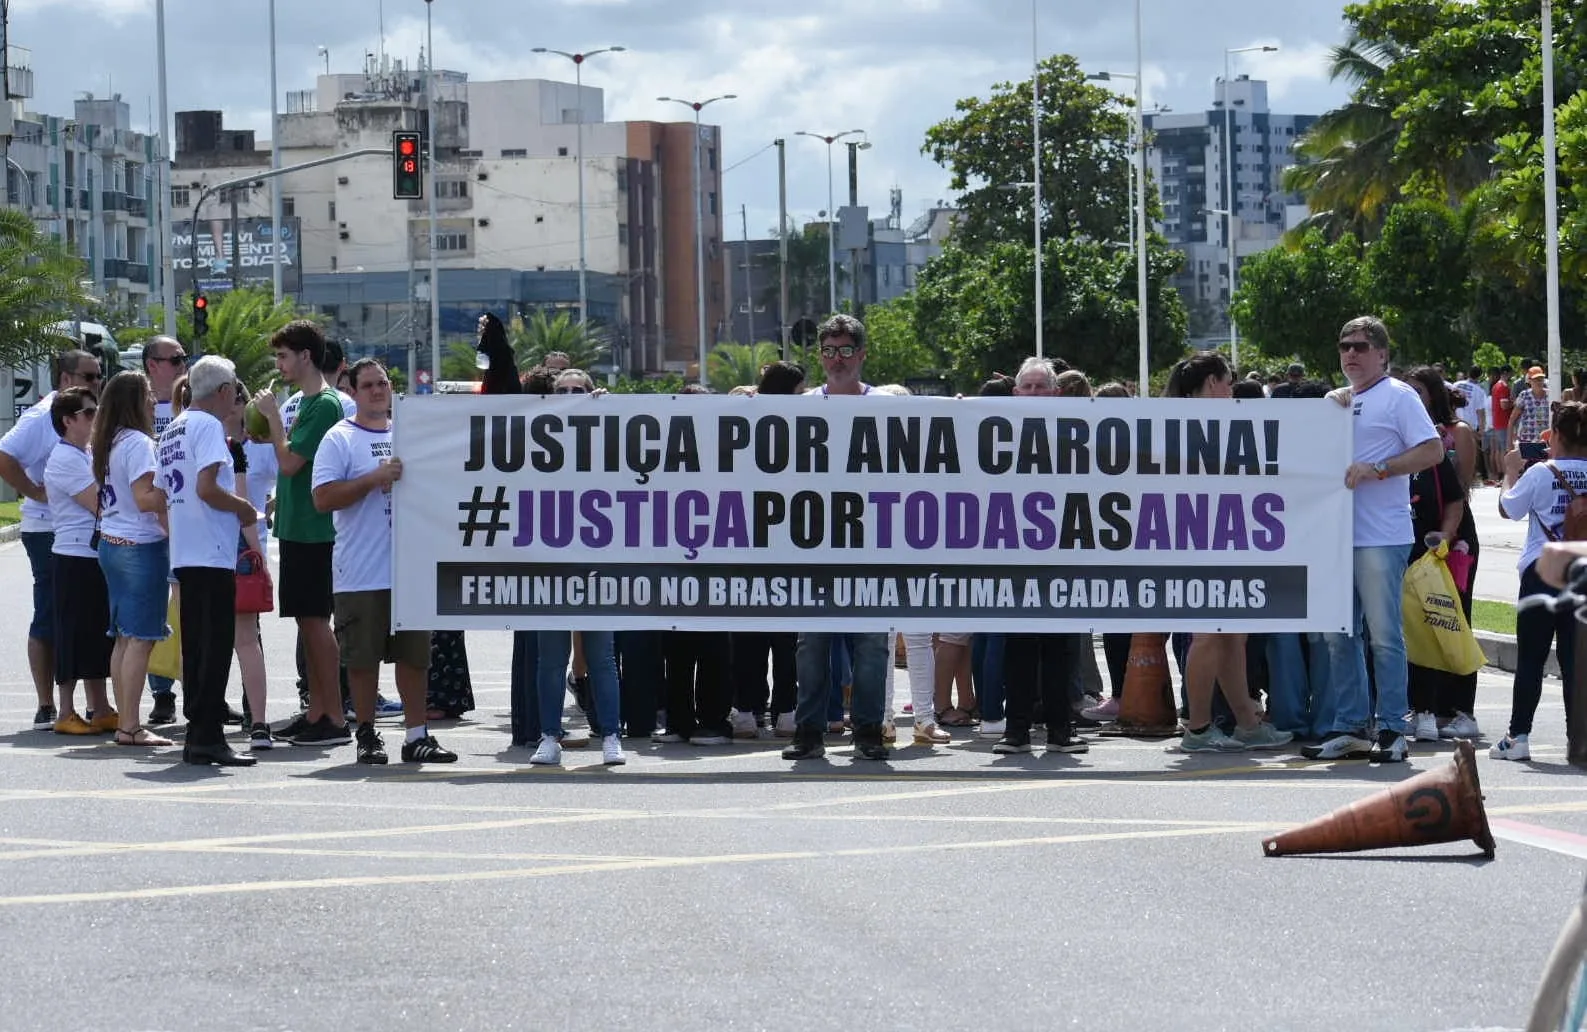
{"x":699,"y":216}
{"x":1232,"y":205}
{"x":1551,"y":203}
{"x":578,"y":80}
{"x":167,"y":257}
{"x":1035,"y":167}
{"x":832,"y":214}
{"x":1137,"y":215}
{"x":435,"y":265}
{"x":275,"y":163}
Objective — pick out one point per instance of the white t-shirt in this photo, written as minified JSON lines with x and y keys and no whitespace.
{"x":289,"y":411}
{"x":30,"y":441}
{"x":162,"y":417}
{"x":131,"y":456}
{"x":201,"y":535}
{"x":361,"y":559}
{"x":68,"y":473}
{"x":1389,"y":420}
{"x":1538,"y":499}
{"x":1477,"y":404}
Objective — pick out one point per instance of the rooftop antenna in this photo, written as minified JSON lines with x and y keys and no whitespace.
{"x":380,"y":8}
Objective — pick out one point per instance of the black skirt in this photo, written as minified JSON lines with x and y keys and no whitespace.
{"x":82,"y":620}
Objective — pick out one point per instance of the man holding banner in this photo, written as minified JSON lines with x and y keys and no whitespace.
{"x":842,"y":343}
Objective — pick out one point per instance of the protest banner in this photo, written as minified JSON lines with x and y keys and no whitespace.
{"x":868,"y":513}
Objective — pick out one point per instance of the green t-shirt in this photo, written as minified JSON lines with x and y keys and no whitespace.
{"x":296,"y":518}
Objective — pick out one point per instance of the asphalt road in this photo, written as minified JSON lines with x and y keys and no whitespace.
{"x":725,"y":889}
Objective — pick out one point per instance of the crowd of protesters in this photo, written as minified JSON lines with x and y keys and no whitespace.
{"x":145,"y":494}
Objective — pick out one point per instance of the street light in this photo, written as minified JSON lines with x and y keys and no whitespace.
{"x":578,"y":79}
{"x":1035,"y":166}
{"x":1228,"y":186}
{"x":699,"y":215}
{"x":435,"y":264}
{"x":832,"y":248}
{"x":1550,"y":202}
{"x":1138,"y":213}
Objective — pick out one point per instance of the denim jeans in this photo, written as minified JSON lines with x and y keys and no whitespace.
{"x":986,"y":666}
{"x":872,"y":665}
{"x":38,"y":545}
{"x":842,"y":671}
{"x":1379,"y":576}
{"x":1288,"y":687}
{"x":551,"y":673}
{"x":1535,"y":629}
{"x":1320,"y":673}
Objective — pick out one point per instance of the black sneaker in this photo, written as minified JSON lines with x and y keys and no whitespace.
{"x":1063,"y":740}
{"x":164,"y":711}
{"x":371,"y":749}
{"x":292,"y":728}
{"x":806,"y":745}
{"x":1013,"y":742}
{"x":1390,"y":747}
{"x":426,"y":750}
{"x":44,"y":719}
{"x":260,"y":739}
{"x":323,"y":732}
{"x":868,"y":743}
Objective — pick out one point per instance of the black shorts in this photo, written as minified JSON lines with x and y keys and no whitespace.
{"x":81,"y":620}
{"x":305,"y":588}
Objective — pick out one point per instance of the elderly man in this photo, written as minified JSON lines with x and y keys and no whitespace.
{"x":1394,"y":438}
{"x":24,"y":452}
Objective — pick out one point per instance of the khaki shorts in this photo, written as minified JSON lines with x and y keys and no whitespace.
{"x":953,"y":639}
{"x":363,"y":631}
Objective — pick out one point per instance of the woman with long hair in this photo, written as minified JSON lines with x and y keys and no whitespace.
{"x":1217,"y":661}
{"x":134,"y":552}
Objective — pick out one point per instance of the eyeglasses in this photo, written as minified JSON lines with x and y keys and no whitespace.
{"x":839,"y":350}
{"x":1358,"y":346}
{"x":90,"y":377}
{"x":571,"y":390}
{"x":172,"y":360}
{"x":89,"y":411}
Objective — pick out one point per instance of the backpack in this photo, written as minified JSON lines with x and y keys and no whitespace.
{"x":1574,"y":528}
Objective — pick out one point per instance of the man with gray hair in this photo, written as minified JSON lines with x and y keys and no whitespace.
{"x":206,"y":515}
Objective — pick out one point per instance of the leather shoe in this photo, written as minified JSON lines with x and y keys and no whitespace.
{"x":221,"y":755}
{"x":233,"y":715}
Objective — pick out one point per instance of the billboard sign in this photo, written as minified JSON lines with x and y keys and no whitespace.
{"x":256,"y":253}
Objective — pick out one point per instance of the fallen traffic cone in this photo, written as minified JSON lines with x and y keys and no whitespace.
{"x":1435,"y":806}
{"x":1146,"y":707}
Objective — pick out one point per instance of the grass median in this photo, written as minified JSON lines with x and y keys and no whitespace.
{"x":1498,"y":617}
{"x":10,"y":512}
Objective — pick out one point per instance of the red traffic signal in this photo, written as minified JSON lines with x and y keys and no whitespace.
{"x":407,"y":180}
{"x":200,"y":303}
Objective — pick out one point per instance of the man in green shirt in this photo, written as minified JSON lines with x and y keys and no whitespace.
{"x":307,"y":535}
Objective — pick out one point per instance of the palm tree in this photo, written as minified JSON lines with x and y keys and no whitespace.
{"x":738,"y":365}
{"x":40,"y":285}
{"x":534,"y":338}
{"x":241,"y":323}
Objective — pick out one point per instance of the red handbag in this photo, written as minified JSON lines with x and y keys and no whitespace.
{"x":255,"y":593}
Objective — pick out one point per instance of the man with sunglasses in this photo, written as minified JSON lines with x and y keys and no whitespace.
{"x":164,"y":362}
{"x":1394,"y":438}
{"x":24,"y":452}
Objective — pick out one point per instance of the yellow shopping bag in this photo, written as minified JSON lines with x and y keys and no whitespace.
{"x":166,"y":659}
{"x":1437,"y":635}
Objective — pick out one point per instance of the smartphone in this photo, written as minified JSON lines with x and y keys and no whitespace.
{"x":1533,"y":451}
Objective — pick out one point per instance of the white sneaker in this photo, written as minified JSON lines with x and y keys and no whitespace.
{"x":993,"y":729}
{"x":612,"y":751}
{"x":1424,"y":727}
{"x":1463,"y":725}
{"x":743,"y":725}
{"x":1512,"y":747}
{"x":785,"y":725}
{"x":549,"y":754}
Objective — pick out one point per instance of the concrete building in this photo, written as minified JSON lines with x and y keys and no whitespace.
{"x":507,"y":190}
{"x":1186,"y":158}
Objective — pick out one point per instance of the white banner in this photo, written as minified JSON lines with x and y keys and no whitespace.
{"x":825,"y":513}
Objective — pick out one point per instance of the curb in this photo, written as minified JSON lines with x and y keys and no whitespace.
{"x":1501,"y":652}
{"x":10,"y":532}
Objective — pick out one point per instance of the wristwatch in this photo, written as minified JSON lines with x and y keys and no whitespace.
{"x":1381,"y":469}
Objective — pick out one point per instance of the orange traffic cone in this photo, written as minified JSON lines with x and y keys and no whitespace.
{"x":1435,"y":806}
{"x":1146,"y":708}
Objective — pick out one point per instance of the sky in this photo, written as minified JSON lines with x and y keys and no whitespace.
{"x":890,"y":67}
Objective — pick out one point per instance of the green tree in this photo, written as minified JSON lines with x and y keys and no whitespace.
{"x":894,"y":351}
{"x":1416,"y":279}
{"x":459,"y":362}
{"x":534,"y":338}
{"x":241,"y":323}
{"x":40,"y":285}
{"x":737,"y":365}
{"x":1292,"y":301}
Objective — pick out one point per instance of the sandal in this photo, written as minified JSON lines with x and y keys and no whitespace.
{"x":955,"y":717}
{"x":140,"y":737}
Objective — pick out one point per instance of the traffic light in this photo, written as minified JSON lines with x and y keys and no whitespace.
{"x":200,"y":315}
{"x":407,"y":182}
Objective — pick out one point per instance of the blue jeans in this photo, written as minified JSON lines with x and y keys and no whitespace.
{"x":1288,"y":687}
{"x":1379,"y":576}
{"x":842,"y":674}
{"x":986,"y":668}
{"x":38,"y":545}
{"x":551,"y":672}
{"x":872,"y":665}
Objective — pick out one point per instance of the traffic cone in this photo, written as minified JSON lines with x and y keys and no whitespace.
{"x":1146,"y":708}
{"x":1435,"y":806}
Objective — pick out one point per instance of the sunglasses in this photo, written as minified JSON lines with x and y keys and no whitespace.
{"x":90,"y":377}
{"x":89,"y":411}
{"x":1360,"y":347}
{"x":571,"y":390}
{"x":172,"y":360}
{"x":839,"y":351}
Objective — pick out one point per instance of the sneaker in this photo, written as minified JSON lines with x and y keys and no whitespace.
{"x":709,"y":738}
{"x":1390,"y":747}
{"x":1463,"y":725}
{"x":992,"y":729}
{"x":1013,"y":742}
{"x":1109,"y":710}
{"x":743,"y":724}
{"x":106,"y":722}
{"x":785,"y":725}
{"x":385,"y":707}
{"x":44,"y":719}
{"x":805,"y":746}
{"x":1339,"y":745}
{"x":72,"y":724}
{"x":1088,"y":701}
{"x":427,"y":750}
{"x":164,"y":709}
{"x":549,"y":753}
{"x":323,"y":732}
{"x":1512,"y":747}
{"x":371,"y":748}
{"x":930,"y":734}
{"x":1263,"y":736}
{"x":349,"y":711}
{"x":259,"y":738}
{"x":1211,"y":740}
{"x":612,"y":751}
{"x":1066,"y":742}
{"x":1424,"y":727}
{"x":294,"y":727}
{"x":663,"y":736}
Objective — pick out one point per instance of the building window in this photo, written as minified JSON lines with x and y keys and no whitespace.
{"x":451,"y":241}
{"x":562,"y":152}
{"x":452,"y":189}
{"x":622,"y":177}
{"x":710,"y":153}
{"x":331,"y":208}
{"x":470,"y":154}
{"x":514,"y":152}
{"x":333,"y":263}
{"x":180,"y":197}
{"x":622,"y":234}
{"x":288,"y":208}
{"x":713,"y":202}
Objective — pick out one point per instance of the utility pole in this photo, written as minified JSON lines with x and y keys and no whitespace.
{"x":276,"y":251}
{"x":782,"y":243}
{"x":854,"y":202}
{"x":435,"y":266}
{"x":167,"y":246}
{"x":236,"y":249}
{"x":749,"y":279}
